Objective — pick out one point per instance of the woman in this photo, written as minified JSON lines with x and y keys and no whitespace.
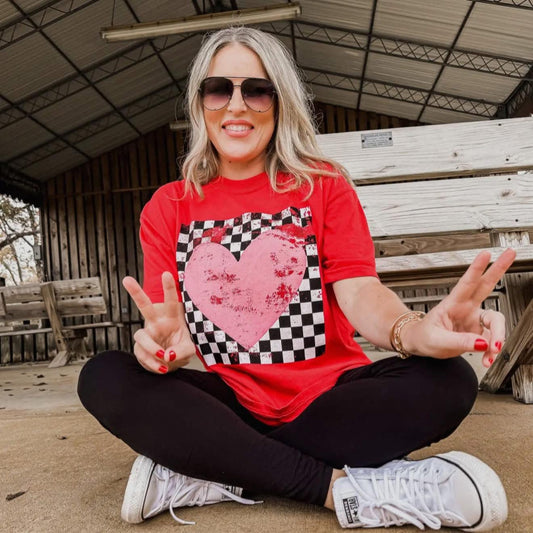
{"x":275,"y":270}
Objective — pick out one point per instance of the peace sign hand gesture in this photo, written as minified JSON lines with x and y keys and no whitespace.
{"x":164,"y":343}
{"x":458,"y":324}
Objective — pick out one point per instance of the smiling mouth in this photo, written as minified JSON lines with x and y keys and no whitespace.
{"x":237,"y":127}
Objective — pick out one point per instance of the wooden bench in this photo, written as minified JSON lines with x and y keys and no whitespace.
{"x":434,"y":197}
{"x":54,"y":301}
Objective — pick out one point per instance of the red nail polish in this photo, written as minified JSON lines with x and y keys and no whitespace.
{"x":481,"y":345}
{"x":172,"y":355}
{"x":160,"y":354}
{"x":491,"y":360}
{"x":163,"y":369}
{"x":498,"y":345}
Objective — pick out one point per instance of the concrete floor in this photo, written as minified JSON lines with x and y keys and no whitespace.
{"x":70,"y":474}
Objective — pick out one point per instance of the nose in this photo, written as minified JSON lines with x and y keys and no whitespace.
{"x":236,"y":103}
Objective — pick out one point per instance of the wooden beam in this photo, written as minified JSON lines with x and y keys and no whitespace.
{"x":425,"y":266}
{"x":457,"y":205}
{"x":523,"y":384}
{"x":438,"y":150}
{"x":517,"y":350}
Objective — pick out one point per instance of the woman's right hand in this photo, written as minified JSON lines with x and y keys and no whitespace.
{"x":164,"y":343}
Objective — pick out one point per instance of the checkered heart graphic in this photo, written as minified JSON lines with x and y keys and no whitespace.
{"x":245,"y":298}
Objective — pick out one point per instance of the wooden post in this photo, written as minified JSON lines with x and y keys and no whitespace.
{"x":50,"y":303}
{"x":517,"y":350}
{"x":523,"y":384}
{"x":69,"y":343}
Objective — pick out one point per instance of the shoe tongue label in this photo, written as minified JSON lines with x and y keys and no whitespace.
{"x":351,"y":506}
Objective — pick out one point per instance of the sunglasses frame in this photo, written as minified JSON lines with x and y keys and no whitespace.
{"x":244,"y":78}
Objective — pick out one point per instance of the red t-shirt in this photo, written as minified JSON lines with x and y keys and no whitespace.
{"x":254,"y":269}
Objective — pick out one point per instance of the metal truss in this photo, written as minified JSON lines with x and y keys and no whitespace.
{"x":91,"y":75}
{"x":40,"y":18}
{"x":524,"y":4}
{"x":369,"y":37}
{"x":18,"y":185}
{"x":519,"y":97}
{"x":98,"y":125}
{"x":380,"y":44}
{"x":443,"y":65}
{"x":304,"y":31}
{"x":401,"y":93}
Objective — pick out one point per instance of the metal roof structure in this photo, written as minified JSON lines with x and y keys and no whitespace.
{"x":66,"y":96}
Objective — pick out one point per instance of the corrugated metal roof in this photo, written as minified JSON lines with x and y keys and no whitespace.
{"x":390,"y":107}
{"x":401,"y":71}
{"x":73,"y":111}
{"x":78,"y":35}
{"x":327,"y":57}
{"x":151,"y":10}
{"x":138,"y":80}
{"x":499,"y":30}
{"x":32,"y":63}
{"x":479,"y":85}
{"x":429,"y":21}
{"x":55,"y":164}
{"x":29,"y":5}
{"x":355,"y":14}
{"x":8,"y":13}
{"x":400,"y":62}
{"x":21,"y":137}
{"x":334,"y":96}
{"x":107,"y":139}
{"x":433,"y":115}
{"x":156,"y":116}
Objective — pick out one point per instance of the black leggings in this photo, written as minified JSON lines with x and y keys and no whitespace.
{"x":191,"y":422}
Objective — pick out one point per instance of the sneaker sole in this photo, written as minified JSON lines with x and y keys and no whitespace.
{"x":132,"y":506}
{"x":489,"y":487}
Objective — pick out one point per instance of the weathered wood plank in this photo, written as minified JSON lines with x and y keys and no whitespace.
{"x":65,"y":288}
{"x":517,"y":350}
{"x":522,"y":381}
{"x":110,"y":246}
{"x":68,"y":308}
{"x":54,"y":267}
{"x":445,"y":206}
{"x":437,"y":150}
{"x":63,"y":231}
{"x":424,"y":266}
{"x":434,"y":243}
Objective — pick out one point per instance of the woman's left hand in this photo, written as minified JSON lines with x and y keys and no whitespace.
{"x":458,"y":324}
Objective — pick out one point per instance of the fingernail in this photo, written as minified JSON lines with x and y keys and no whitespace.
{"x":498,"y":345}
{"x":160,"y":354}
{"x":481,"y":345}
{"x":172,"y":355}
{"x":163,"y":369}
{"x":491,"y":360}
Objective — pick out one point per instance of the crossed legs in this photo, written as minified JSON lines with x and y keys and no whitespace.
{"x":191,"y":422}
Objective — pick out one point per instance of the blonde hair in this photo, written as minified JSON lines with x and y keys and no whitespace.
{"x":293,"y":148}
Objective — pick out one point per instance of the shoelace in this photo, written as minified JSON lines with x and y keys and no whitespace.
{"x":179,"y":487}
{"x":397,"y":499}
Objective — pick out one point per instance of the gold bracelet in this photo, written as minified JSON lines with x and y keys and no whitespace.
{"x":399,"y":323}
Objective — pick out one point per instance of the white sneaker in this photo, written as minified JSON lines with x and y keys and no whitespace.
{"x":453,"y":489}
{"x":152,"y":489}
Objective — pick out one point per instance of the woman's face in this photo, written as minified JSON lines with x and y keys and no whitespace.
{"x":239,"y":135}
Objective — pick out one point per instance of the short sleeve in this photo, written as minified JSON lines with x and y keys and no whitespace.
{"x":158,"y":236}
{"x":348,"y":251}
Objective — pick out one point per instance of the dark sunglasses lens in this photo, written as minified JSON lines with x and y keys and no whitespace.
{"x":216,"y":92}
{"x":258,"y":93}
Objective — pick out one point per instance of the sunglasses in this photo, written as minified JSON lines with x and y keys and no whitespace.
{"x":257,"y":93}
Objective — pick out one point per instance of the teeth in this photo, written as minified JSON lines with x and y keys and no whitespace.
{"x":237,"y":127}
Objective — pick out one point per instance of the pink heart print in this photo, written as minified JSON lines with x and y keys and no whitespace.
{"x":245,"y":298}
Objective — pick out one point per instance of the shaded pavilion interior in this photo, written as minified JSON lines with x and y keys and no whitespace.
{"x":84,"y":124}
